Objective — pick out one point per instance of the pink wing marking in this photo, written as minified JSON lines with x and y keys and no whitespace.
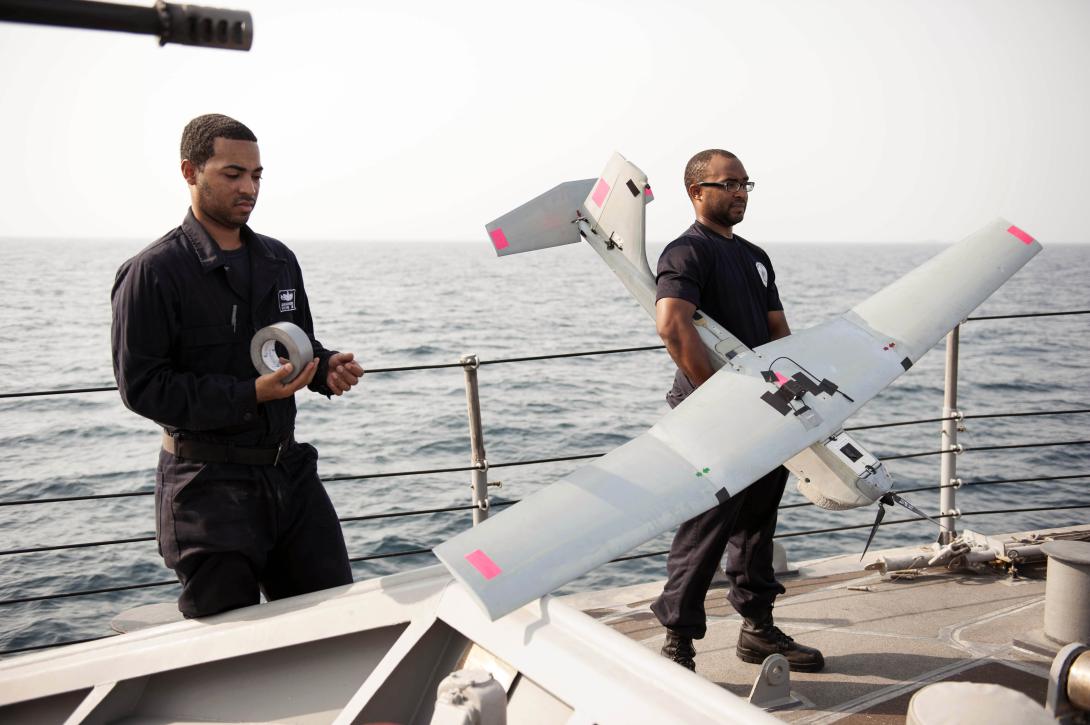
{"x":1020,"y":235}
{"x":480,"y":561}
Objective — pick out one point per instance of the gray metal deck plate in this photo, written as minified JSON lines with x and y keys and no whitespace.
{"x":883,"y":639}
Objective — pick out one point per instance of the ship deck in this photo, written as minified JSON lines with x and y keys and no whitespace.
{"x":883,"y":636}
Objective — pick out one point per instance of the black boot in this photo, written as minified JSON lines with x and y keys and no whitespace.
{"x":760,"y":638}
{"x":679,"y":649}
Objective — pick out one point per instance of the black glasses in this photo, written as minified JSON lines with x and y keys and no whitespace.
{"x":730,"y":186}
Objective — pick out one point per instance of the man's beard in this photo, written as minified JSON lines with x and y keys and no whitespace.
{"x":729,"y":216}
{"x":228,"y":216}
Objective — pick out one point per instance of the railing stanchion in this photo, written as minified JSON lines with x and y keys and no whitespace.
{"x":949,"y":442}
{"x":479,"y":475}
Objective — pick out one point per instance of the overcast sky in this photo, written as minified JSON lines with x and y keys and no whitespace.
{"x":860,"y":120}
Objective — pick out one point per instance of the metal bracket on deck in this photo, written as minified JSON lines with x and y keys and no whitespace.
{"x":772,"y":688}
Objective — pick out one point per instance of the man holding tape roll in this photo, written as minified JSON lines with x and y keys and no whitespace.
{"x":240,"y":508}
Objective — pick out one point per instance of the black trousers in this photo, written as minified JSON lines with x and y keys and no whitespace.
{"x":743,"y":525}
{"x":231,"y":531}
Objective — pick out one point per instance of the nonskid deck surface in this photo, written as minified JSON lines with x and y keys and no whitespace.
{"x":883,"y":637}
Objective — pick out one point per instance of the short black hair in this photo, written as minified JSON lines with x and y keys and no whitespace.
{"x":201,"y":133}
{"x":697,"y":167}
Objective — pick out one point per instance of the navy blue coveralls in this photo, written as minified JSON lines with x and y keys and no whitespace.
{"x":733,"y":282}
{"x":182,"y":324}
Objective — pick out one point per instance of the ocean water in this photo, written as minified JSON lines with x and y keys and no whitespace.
{"x":414,"y":304}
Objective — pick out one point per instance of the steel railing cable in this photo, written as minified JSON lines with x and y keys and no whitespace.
{"x":557,"y":356}
{"x":968,"y":417}
{"x":884,"y":457}
{"x":919,"y":518}
{"x":374,"y":371}
{"x":1026,"y":510}
{"x":420,"y":512}
{"x":501,"y":361}
{"x":501,"y":503}
{"x":900,"y":423}
{"x":631,"y":557}
{"x":976,"y":416}
{"x":1027,"y":314}
{"x":36,"y":647}
{"x":389,"y":555}
{"x":395,"y":474}
{"x":963,"y":484}
{"x":972,"y":449}
{"x":65,"y":391}
{"x":346,"y":519}
{"x":86,"y":592}
{"x":148,"y":585}
{"x":79,"y":545}
{"x":327,"y":479}
{"x":994,"y":482}
{"x":457,"y":469}
{"x":127,"y":587}
{"x":86,"y":497}
{"x":961,"y":449}
{"x":813,"y":532}
{"x":414,"y":552}
{"x":647,"y":555}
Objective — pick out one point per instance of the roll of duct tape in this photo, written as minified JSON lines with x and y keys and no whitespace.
{"x":265,"y":355}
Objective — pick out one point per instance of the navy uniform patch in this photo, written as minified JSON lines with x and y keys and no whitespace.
{"x":287,"y":300}
{"x":763,"y":272}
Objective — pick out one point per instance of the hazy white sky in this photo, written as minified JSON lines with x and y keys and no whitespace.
{"x":860,"y":120}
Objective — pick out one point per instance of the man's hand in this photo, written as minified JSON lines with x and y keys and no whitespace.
{"x":344,"y":372}
{"x":271,"y":386}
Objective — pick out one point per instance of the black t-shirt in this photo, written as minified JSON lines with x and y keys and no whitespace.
{"x":238,"y":270}
{"x":730,"y":280}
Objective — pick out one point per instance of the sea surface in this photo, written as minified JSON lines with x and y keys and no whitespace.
{"x":420,"y":304}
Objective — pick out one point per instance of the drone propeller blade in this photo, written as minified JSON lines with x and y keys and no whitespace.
{"x":913,"y":509}
{"x":874,"y":529}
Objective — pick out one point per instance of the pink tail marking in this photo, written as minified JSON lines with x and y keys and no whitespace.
{"x":499,"y":239}
{"x":600,"y":193}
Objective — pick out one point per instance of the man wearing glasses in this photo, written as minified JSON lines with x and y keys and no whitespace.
{"x":730,"y":279}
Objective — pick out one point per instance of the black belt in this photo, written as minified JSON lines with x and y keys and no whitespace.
{"x":208,"y":452}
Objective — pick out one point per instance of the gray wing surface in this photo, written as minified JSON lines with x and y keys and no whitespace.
{"x":731,"y":431}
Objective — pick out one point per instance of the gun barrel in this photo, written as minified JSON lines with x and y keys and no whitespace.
{"x":170,"y":22}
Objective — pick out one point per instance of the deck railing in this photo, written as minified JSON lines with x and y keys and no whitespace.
{"x":482,"y":503}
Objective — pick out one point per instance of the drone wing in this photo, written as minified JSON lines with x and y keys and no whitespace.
{"x":739,"y":425}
